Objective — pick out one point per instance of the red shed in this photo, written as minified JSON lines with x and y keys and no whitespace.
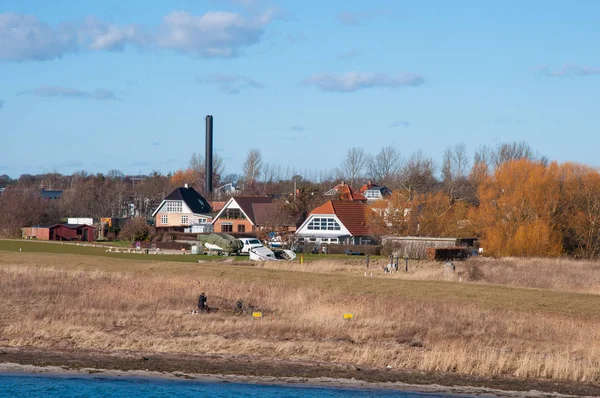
{"x":81,"y":232}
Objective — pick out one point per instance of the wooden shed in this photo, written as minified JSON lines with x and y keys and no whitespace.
{"x":79,"y":232}
{"x":416,"y":247}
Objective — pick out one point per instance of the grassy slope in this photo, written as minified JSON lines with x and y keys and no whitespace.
{"x":140,"y":303}
{"x":488,"y":296}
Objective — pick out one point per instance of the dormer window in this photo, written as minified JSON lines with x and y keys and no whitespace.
{"x":174,"y":206}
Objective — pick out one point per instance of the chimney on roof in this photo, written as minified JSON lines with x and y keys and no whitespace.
{"x":208,"y":167}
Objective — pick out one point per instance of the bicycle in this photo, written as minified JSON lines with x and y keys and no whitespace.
{"x":242,"y":308}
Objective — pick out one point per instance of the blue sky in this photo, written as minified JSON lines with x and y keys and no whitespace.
{"x":101,"y":85}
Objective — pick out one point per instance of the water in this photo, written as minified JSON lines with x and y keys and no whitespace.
{"x":25,"y":385}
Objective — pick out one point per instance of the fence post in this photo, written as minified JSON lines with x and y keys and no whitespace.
{"x":367,"y":261}
{"x":405,"y":263}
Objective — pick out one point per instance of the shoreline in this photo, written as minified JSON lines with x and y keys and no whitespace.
{"x":237,"y":369}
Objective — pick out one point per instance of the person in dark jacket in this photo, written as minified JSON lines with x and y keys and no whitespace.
{"x":202,"y":303}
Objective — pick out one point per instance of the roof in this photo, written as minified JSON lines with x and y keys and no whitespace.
{"x":51,"y":194}
{"x":269,"y":214}
{"x":369,"y":186}
{"x":247,"y":203}
{"x":217,"y":206}
{"x":345,"y":192}
{"x":352,"y":214}
{"x":70,"y":226}
{"x":192,"y":199}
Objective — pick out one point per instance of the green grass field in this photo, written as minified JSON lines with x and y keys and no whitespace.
{"x":52,"y":247}
{"x":100,"y":250}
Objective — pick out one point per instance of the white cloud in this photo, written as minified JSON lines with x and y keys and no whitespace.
{"x":66,"y":92}
{"x":353,"y":81}
{"x":24,"y":37}
{"x":214,"y":34}
{"x":231,"y":84}
{"x":98,"y":35}
{"x":569,"y":71}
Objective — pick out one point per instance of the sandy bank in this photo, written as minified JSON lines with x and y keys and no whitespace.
{"x":250,"y":370}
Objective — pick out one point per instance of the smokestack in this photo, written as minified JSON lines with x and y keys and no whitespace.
{"x":209,"y":154}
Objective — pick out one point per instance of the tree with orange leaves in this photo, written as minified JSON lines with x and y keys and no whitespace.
{"x":518,"y":210}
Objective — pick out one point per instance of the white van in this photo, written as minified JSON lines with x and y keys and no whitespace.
{"x":250,"y":243}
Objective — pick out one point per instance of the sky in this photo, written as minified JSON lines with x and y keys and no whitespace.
{"x":125,"y":84}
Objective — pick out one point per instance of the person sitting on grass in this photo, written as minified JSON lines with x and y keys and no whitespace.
{"x":202,"y":303}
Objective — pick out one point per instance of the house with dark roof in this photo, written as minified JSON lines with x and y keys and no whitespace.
{"x":244,"y":214}
{"x":336,"y":222}
{"x":374,"y":192}
{"x":181,"y":208}
{"x":344,"y":191}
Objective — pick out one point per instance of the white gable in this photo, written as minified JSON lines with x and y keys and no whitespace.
{"x":231,"y":204}
{"x":327,"y":228}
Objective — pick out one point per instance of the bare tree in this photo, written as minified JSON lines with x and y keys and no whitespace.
{"x":417,"y":175}
{"x":198,"y":166}
{"x":512,"y":151}
{"x":454,"y":173}
{"x":385,"y":166}
{"x":353,"y":165}
{"x":455,"y":163}
{"x":253,"y":166}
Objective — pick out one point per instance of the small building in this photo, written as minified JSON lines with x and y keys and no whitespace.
{"x":51,"y":194}
{"x":374,"y":192}
{"x":182,"y":208}
{"x":244,"y":214}
{"x":67,"y":232}
{"x":416,"y":246}
{"x":336,"y":222}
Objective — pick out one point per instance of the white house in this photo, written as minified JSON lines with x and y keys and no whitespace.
{"x":336,"y":222}
{"x":374,"y":192}
{"x":181,"y":208}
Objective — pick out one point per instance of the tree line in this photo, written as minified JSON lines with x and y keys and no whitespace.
{"x":511,"y":198}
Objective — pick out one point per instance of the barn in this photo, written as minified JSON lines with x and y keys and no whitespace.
{"x":77,"y":232}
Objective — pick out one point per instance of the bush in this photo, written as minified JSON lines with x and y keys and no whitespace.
{"x":136,"y":229}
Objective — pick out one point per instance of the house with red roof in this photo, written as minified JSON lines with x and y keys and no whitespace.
{"x":344,"y":191}
{"x":336,"y":222}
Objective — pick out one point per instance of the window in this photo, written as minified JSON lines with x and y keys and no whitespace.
{"x":202,"y":220}
{"x":164,"y":219}
{"x":241,"y":228}
{"x":323,"y":224}
{"x":174,"y":206}
{"x":312,"y":239}
{"x":333,"y":240}
{"x":233,"y":214}
{"x":227,"y":228}
{"x":184,"y":219}
{"x":372,"y":194}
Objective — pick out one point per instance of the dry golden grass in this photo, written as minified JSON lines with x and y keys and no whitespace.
{"x":70,"y":301}
{"x":562,"y":274}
